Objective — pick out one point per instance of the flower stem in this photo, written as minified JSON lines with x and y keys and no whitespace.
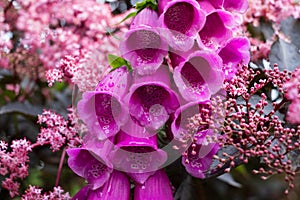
{"x":61,"y":163}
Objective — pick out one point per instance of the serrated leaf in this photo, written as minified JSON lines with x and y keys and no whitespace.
{"x":116,"y":62}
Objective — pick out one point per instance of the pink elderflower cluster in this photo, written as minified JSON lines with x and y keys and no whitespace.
{"x":292,"y":89}
{"x":252,"y":126}
{"x":57,"y":131}
{"x":5,"y":42}
{"x":63,"y":32}
{"x":14,"y":164}
{"x":270,"y":11}
{"x":35,"y":193}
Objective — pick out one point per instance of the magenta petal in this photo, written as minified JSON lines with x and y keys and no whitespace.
{"x":182,"y":118}
{"x":89,"y":166}
{"x":210,"y":5}
{"x":103,"y":110}
{"x":116,"y":188}
{"x":151,"y":100}
{"x":82,"y":194}
{"x":143,"y":46}
{"x":235,"y":53}
{"x":136,"y":157}
{"x":156,"y":187}
{"x":180,"y":30}
{"x":236,"y":5}
{"x":132,"y":134}
{"x":199,"y":76}
{"x":146,"y":17}
{"x":198,"y":163}
{"x":217,"y":29}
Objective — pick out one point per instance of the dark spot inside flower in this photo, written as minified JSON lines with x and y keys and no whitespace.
{"x":180,"y":17}
{"x":191,"y":74}
{"x":96,"y":170}
{"x":150,"y":95}
{"x":145,"y":43}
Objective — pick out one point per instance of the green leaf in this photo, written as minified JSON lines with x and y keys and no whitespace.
{"x":133,"y":14}
{"x":146,"y":3}
{"x":116,"y":62}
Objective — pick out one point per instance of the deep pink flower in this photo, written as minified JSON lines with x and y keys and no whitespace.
{"x":151,"y":100}
{"x":181,"y":21}
{"x":143,"y":46}
{"x":199,"y":156}
{"x":229,"y":5}
{"x":236,"y":5}
{"x":116,"y":187}
{"x":217,"y":29}
{"x":234,"y":53}
{"x":182,"y":117}
{"x":91,"y":163}
{"x":137,"y":153}
{"x":156,"y":187}
{"x":102,"y":110}
{"x":199,"y":76}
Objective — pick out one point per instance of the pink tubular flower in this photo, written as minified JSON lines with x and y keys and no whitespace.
{"x":198,"y":157}
{"x":143,"y":46}
{"x":116,"y":187}
{"x":180,"y":30}
{"x":137,"y":153}
{"x":234,"y":53}
{"x":151,"y":100}
{"x":182,"y":116}
{"x":229,"y":5}
{"x":199,"y":76}
{"x":102,"y":110}
{"x":91,"y":163}
{"x":156,"y":187}
{"x":217,"y":29}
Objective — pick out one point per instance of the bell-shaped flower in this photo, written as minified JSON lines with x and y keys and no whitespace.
{"x":143,"y":46}
{"x":181,"y":126}
{"x":210,"y":5}
{"x":137,"y":153}
{"x":116,"y":187}
{"x":236,"y":5}
{"x":200,"y":76}
{"x":234,"y":53}
{"x":151,"y":100}
{"x":181,"y":20}
{"x":156,"y":187}
{"x":102,"y":110}
{"x":90,"y":162}
{"x":176,"y":57}
{"x":228,"y":5}
{"x":199,"y":156}
{"x":217,"y":29}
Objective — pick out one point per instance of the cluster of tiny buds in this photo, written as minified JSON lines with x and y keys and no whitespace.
{"x":251,"y":128}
